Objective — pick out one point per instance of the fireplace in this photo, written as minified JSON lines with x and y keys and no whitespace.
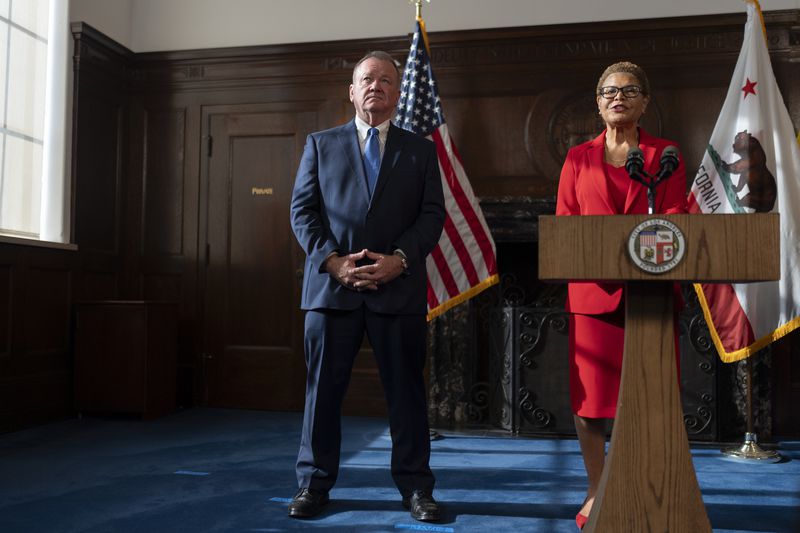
{"x":499,"y":361}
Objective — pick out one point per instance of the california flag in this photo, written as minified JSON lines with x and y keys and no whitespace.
{"x":752,"y":165}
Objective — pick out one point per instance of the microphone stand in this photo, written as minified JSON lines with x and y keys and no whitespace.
{"x":650,"y":182}
{"x":634,"y":164}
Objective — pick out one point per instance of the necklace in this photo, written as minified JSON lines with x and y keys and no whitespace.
{"x":613,"y":160}
{"x":617,"y":161}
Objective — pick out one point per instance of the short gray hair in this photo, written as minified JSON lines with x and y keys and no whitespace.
{"x":629,"y":68}
{"x":381,"y":55}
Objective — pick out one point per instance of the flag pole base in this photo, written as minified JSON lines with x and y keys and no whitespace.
{"x":751,"y":452}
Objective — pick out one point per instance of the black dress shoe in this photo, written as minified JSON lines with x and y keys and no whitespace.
{"x":422,"y":506}
{"x":307,"y":503}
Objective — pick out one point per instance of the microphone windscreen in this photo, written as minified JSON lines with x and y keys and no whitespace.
{"x":635,"y":160}
{"x":669,"y":159}
{"x":670,"y":150}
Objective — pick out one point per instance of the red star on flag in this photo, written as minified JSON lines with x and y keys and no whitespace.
{"x":749,"y":88}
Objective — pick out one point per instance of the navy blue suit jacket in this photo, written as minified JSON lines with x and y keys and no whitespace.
{"x":331,"y":211}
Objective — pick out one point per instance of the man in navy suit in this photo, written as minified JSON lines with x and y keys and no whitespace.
{"x":367,"y":208}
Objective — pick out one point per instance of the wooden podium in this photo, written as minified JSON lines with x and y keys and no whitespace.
{"x":649,"y":483}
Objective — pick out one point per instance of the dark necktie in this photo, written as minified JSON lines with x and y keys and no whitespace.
{"x":372,"y":158}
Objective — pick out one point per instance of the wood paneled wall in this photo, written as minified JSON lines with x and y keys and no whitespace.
{"x":515,"y":100}
{"x":39,"y":285}
{"x":36,"y":286}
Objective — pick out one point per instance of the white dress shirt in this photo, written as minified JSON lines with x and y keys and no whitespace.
{"x":363,"y":131}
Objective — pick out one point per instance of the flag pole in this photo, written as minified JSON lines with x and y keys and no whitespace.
{"x":418,"y":4}
{"x":432,"y":433}
{"x":749,"y":450}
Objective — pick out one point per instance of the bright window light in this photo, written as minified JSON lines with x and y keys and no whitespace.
{"x":33,"y":68}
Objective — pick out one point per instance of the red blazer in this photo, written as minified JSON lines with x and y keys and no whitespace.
{"x":583,"y":189}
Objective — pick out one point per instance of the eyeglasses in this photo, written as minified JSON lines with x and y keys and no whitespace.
{"x":629,"y":91}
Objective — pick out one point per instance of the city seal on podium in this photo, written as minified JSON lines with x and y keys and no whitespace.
{"x":656,"y":245}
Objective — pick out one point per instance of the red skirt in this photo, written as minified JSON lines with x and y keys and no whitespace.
{"x":595,"y":363}
{"x":596,"y":343}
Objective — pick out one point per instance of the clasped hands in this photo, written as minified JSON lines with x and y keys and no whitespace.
{"x":360,"y":278}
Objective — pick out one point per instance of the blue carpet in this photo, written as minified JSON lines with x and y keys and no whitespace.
{"x":211,"y":470}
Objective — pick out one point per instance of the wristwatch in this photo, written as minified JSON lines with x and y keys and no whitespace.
{"x":403,"y":261}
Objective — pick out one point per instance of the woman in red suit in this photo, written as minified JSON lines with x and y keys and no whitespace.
{"x":594,"y":182}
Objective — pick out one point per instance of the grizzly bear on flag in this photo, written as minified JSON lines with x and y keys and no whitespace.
{"x":753,"y":172}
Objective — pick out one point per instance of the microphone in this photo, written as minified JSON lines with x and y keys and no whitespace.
{"x":634,"y":163}
{"x":669,"y":162}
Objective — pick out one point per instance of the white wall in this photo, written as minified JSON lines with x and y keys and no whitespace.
{"x":153,"y":25}
{"x":112,"y":17}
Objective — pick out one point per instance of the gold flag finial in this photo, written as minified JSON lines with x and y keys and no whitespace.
{"x":418,"y":4}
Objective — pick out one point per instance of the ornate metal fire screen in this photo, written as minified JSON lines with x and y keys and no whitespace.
{"x":499,"y":362}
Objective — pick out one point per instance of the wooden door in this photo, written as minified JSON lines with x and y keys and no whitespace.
{"x":253,"y":326}
{"x":252,"y":320}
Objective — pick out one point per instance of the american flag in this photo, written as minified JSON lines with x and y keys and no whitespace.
{"x":647,"y":238}
{"x":464,"y":262}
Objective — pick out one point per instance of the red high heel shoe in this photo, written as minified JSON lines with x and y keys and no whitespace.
{"x":580,"y":520}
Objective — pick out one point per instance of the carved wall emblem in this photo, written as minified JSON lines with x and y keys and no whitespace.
{"x":557,"y":122}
